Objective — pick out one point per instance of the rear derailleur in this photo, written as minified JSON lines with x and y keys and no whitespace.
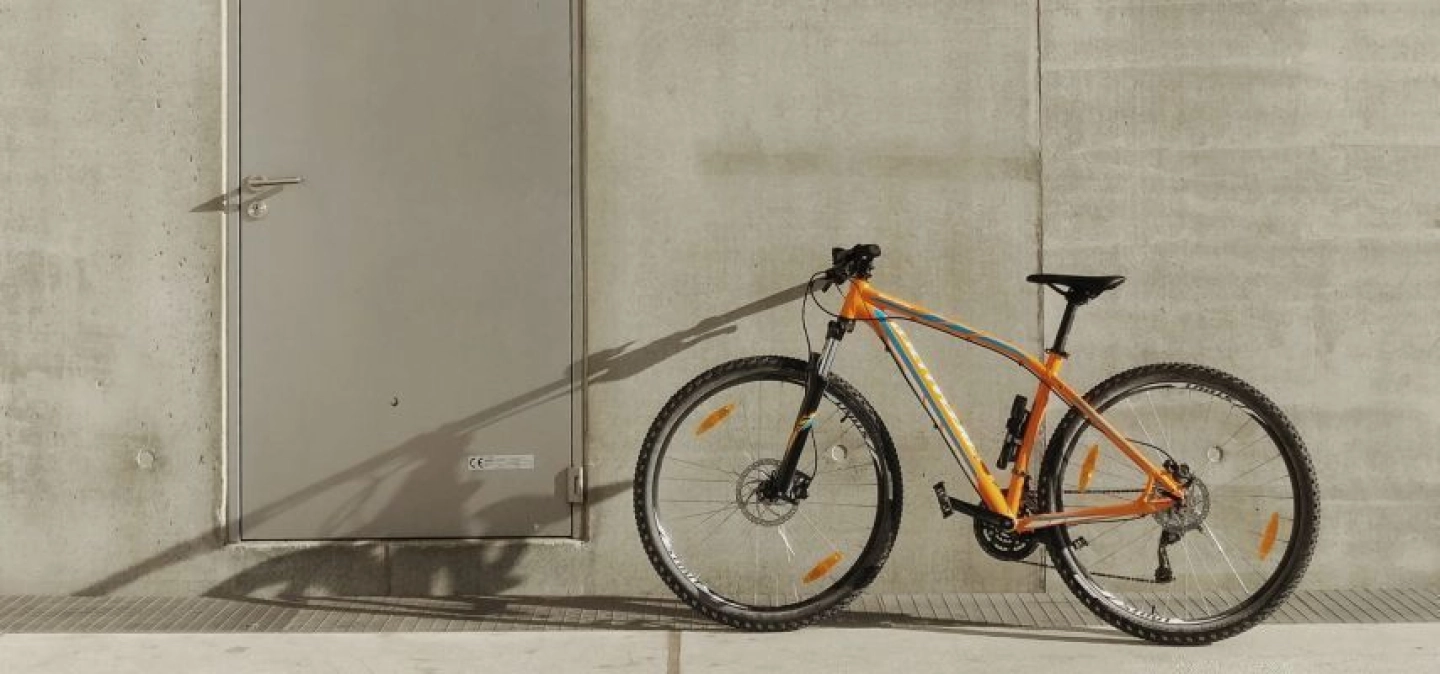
{"x":1182,"y":518}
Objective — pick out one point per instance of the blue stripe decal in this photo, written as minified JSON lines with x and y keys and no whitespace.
{"x":987,"y":339}
{"x":900,"y":351}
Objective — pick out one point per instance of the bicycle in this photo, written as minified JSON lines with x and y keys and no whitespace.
{"x":764,"y":534}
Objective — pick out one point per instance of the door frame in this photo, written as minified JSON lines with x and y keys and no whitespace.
{"x":230,"y":511}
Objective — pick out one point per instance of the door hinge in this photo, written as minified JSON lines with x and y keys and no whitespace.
{"x":576,"y":479}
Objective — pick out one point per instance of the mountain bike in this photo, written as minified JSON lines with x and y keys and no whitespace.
{"x":1176,"y":502}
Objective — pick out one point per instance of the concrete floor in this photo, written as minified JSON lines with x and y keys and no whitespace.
{"x":1272,"y":648}
{"x":1367,"y":630}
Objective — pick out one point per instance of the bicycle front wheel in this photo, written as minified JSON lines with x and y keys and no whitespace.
{"x":1225,"y":558}
{"x":735,"y":556}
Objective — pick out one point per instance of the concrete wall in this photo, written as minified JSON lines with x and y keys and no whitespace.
{"x":1266,"y":174}
{"x":732,"y":144}
{"x":110,"y":285}
{"x":1257,"y":169}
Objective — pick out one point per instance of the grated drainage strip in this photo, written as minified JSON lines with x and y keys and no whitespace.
{"x":117,"y":614}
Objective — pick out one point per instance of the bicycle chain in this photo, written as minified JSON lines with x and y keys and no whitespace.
{"x":1043,"y":565}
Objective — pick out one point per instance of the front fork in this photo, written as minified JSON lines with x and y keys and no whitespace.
{"x":789,"y":483}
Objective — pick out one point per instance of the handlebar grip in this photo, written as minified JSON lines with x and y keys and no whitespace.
{"x":850,"y":262}
{"x":839,"y":255}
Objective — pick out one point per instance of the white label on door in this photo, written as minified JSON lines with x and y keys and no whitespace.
{"x":502,"y":462}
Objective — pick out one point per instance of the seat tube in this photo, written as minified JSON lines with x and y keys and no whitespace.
{"x":1021,"y":469}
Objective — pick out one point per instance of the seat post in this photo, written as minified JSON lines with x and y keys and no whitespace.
{"x":1064,"y":332}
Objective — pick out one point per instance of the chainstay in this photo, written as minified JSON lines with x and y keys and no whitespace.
{"x":1113,"y":576}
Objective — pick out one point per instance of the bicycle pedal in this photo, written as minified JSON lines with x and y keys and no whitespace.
{"x":946,"y":504}
{"x":950,"y":506}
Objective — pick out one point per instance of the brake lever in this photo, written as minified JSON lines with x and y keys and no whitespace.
{"x":831,"y":279}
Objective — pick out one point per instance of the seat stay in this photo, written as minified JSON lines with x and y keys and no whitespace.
{"x":865,"y":303}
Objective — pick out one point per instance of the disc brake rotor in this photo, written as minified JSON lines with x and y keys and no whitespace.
{"x":769,"y":513}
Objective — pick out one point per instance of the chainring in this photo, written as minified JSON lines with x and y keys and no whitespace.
{"x":1004,"y":545}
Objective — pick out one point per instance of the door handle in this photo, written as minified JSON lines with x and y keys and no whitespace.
{"x":256,"y":183}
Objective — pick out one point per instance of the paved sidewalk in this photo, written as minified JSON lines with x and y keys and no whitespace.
{"x":1375,"y":630}
{"x":1313,"y":649}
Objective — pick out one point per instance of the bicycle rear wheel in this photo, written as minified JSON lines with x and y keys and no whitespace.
{"x":731,"y":554}
{"x":1225,"y":559}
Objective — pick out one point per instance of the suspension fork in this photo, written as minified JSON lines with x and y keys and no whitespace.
{"x":788,"y":483}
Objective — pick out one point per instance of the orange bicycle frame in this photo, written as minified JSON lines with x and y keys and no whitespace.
{"x":866,"y":304}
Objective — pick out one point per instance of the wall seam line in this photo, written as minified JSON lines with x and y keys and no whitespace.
{"x":1040,"y":192}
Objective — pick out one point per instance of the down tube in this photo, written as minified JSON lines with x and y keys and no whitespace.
{"x":933,"y":400}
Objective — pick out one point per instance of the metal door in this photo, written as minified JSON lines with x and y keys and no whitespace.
{"x":405,"y":302}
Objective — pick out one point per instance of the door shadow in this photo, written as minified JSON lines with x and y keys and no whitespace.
{"x":356,"y":570}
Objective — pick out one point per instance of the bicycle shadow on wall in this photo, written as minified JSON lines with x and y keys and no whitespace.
{"x":359,"y":568}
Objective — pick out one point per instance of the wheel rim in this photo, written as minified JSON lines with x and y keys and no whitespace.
{"x":735,"y":547}
{"x":1225,"y":549}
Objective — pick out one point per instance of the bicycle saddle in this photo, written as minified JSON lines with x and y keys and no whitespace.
{"x":1078,"y":289}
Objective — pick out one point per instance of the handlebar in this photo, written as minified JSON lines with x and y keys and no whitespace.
{"x":855,"y":262}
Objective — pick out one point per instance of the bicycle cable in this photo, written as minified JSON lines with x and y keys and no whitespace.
{"x":810,"y":297}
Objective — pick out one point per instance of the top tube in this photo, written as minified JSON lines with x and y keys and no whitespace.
{"x":860,"y":305}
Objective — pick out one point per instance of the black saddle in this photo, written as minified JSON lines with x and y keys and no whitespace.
{"x":1078,"y":289}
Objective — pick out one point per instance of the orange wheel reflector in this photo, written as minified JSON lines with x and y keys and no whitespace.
{"x":1267,"y":538}
{"x":824,"y":567}
{"x":1087,"y":469}
{"x":713,"y":419}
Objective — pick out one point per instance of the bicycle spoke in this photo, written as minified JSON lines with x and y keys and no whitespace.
{"x":1206,"y":531}
{"x":1140,"y":421}
{"x":709,"y":512}
{"x":1121,"y":548}
{"x":786,"y":539}
{"x":818,"y":530}
{"x":718,"y":470}
{"x":857,"y":466}
{"x":1193,"y":578}
{"x":720,"y":527}
{"x":1091,"y":539}
{"x":1160,"y":425}
{"x":1257,"y":467}
{"x":1211,"y":529}
{"x":1226,"y":442}
{"x":1122,"y":478}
